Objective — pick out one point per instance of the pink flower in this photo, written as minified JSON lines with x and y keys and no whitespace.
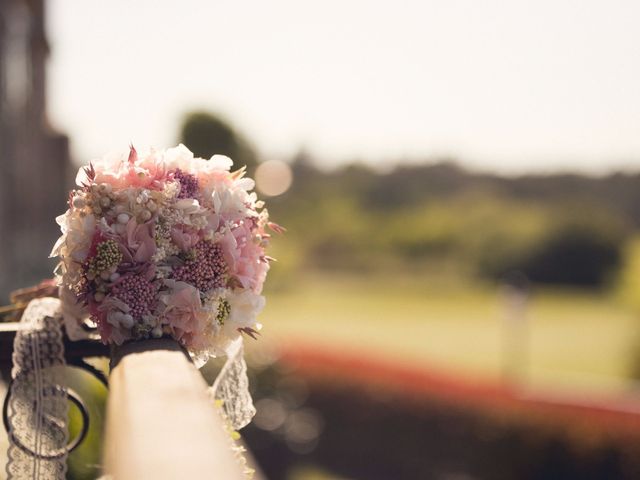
{"x":213,"y":222}
{"x":245,"y":257}
{"x":140,"y":240}
{"x":127,"y":170}
{"x":155,"y":170}
{"x":184,"y":314}
{"x":109,"y":333}
{"x":215,"y":175}
{"x":184,"y":237}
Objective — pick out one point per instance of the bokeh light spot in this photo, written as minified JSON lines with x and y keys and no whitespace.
{"x":273,"y":177}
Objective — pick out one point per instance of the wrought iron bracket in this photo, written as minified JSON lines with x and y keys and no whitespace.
{"x":75,"y":354}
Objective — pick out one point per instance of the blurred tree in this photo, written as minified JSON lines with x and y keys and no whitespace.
{"x":207,"y":134}
{"x":575,"y":255}
{"x":568,"y":251}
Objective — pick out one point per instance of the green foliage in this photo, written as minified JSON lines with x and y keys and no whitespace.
{"x":574,"y":247}
{"x":206,"y":134}
{"x":357,"y":219}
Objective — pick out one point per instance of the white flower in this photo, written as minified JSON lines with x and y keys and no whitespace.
{"x":77,"y":232}
{"x":178,"y":157}
{"x":245,"y":305}
{"x":190,"y":212}
{"x":231,"y":204}
{"x":108,"y":163}
{"x":245,"y":183}
{"x":189,"y":206}
{"x":220,"y":162}
{"x":57,"y":248}
{"x":73,"y":314}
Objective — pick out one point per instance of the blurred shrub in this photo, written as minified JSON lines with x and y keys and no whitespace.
{"x":574,"y":255}
{"x":572,"y":249}
{"x":206,"y":134}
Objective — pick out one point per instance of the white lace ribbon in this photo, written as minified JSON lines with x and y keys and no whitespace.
{"x":231,"y":387}
{"x":37,"y":409}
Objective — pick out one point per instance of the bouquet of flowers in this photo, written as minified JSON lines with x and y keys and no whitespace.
{"x":164,"y":245}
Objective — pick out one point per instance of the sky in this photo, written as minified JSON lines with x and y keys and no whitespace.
{"x":506,"y":85}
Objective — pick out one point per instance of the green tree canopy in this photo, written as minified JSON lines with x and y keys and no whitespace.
{"x":206,"y":134}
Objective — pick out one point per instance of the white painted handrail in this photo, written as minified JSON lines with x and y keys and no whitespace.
{"x":161,"y":424}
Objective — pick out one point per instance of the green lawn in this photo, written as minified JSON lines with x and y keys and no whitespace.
{"x":576,"y":339}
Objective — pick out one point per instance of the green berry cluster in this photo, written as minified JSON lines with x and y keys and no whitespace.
{"x":107,"y":258}
{"x":224,"y":309}
{"x":141,"y":331}
{"x":162,"y":230}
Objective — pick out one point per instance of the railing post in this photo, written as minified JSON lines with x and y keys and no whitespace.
{"x":160,"y":422}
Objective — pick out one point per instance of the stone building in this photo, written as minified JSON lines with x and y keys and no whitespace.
{"x":34,"y":159}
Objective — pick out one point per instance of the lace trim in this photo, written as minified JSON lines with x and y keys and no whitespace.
{"x":37,"y":410}
{"x":231,"y":388}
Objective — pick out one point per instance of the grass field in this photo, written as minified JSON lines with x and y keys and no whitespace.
{"x":573,"y":339}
